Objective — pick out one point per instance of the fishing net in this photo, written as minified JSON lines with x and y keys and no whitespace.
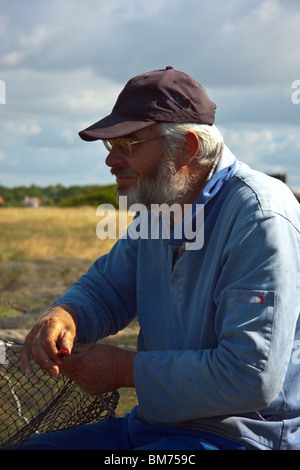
{"x":40,"y":403}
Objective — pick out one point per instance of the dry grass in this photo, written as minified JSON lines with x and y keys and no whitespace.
{"x":42,"y":252}
{"x":51,"y":232}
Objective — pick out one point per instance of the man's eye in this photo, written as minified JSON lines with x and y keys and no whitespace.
{"x":123,"y":145}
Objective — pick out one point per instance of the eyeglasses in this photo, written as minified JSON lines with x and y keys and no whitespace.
{"x":125,"y":145}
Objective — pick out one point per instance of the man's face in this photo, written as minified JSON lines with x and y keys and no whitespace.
{"x":147,"y":176}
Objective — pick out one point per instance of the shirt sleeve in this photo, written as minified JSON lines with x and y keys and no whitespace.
{"x":257,"y":306}
{"x":104,"y":298}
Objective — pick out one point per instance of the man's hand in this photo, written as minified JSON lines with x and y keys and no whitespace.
{"x":55,"y":330}
{"x":99,"y":368}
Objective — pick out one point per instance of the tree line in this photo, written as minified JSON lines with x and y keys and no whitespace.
{"x":59,"y":195}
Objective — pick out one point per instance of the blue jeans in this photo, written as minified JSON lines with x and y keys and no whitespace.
{"x":128,"y":433}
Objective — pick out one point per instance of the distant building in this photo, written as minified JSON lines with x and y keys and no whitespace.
{"x":296,"y":193}
{"x":32,"y":201}
{"x":280,"y":176}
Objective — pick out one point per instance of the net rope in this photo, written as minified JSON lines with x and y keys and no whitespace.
{"x":39,"y":403}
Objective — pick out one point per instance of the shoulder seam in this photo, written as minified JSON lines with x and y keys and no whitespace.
{"x":260,"y":206}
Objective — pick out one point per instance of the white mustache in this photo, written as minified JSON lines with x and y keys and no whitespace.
{"x":123,"y":171}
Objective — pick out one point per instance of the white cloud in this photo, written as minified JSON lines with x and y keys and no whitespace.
{"x":89,"y":94}
{"x":272,"y":149}
{"x":65,"y":62}
{"x":12,"y":58}
{"x":36,"y":39}
{"x":60,"y":91}
{"x":22,"y":128}
{"x":28,"y":45}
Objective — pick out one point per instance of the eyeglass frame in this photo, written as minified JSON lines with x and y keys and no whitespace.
{"x":109,"y":148}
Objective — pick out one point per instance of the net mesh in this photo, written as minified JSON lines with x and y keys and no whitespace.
{"x":40,"y":403}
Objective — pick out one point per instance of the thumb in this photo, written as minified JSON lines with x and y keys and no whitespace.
{"x":65,"y":344}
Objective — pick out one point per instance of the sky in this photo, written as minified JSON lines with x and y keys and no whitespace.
{"x":64,"y":62}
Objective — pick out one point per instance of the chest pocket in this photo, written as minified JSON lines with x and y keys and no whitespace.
{"x":247,"y":324}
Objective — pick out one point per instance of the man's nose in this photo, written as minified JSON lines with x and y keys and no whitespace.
{"x":115,"y":158}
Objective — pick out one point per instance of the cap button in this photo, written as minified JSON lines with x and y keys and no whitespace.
{"x":168,"y":67}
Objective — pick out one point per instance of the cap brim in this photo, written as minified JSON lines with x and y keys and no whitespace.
{"x":111,"y":127}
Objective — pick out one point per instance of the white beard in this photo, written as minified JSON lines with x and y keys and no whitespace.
{"x":165,"y":186}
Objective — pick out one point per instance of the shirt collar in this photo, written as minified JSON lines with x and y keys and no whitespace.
{"x":224,"y":171}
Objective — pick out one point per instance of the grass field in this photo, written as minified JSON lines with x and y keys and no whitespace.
{"x":42,"y":252}
{"x":50,"y":232}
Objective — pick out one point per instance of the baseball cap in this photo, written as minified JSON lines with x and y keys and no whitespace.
{"x":165,"y":95}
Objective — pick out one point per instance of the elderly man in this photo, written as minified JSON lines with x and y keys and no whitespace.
{"x":216,"y":365}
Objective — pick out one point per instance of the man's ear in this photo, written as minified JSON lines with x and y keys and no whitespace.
{"x":190,"y":149}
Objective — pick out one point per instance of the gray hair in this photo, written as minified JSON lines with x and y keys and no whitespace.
{"x":210,"y":139}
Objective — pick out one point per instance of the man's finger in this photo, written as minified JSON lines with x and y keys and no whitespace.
{"x":45,"y":354}
{"x":56,"y":330}
{"x":63,"y":353}
{"x":65,"y":342}
{"x":42,"y":356}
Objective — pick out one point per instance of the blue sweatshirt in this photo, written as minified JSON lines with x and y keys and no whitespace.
{"x":219,"y":331}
